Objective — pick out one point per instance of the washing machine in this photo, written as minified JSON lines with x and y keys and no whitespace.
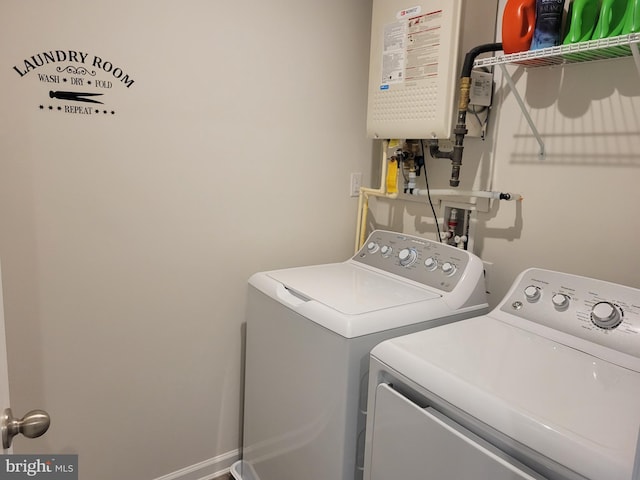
{"x":309,"y":333}
{"x":546,"y":385}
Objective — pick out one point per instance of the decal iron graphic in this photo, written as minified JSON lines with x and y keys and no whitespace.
{"x":68,"y":74}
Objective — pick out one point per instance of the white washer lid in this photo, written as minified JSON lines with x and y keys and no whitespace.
{"x":571,"y":407}
{"x":350,"y":288}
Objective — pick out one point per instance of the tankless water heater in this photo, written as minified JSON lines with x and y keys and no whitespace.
{"x":416,"y":55}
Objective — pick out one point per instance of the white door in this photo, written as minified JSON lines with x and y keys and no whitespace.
{"x":4,"y":375}
{"x":34,"y":423}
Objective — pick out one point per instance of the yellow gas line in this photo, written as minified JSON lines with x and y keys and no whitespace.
{"x":388,"y":189}
{"x":365,"y":193}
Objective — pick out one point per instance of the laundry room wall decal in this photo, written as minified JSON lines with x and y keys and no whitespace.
{"x":74,"y":81}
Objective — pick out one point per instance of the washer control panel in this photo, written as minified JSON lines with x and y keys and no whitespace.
{"x":594,"y":310}
{"x":430,"y":263}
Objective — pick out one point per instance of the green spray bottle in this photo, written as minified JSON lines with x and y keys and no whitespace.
{"x":582,"y":18}
{"x":632,"y":18}
{"x":611,"y":19}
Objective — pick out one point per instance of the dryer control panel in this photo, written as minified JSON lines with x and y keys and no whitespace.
{"x":424,"y":261}
{"x":593,"y":315}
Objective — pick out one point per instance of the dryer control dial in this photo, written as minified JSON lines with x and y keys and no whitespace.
{"x":431,"y":264}
{"x":532,"y":293}
{"x":560,"y":301}
{"x":407,"y":256}
{"x":448,"y":268}
{"x":372,"y":247}
{"x":386,"y":250}
{"x":606,"y":315}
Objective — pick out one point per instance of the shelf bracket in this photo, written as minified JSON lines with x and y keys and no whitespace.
{"x":636,"y":55}
{"x":518,"y":98}
{"x":591,"y":50}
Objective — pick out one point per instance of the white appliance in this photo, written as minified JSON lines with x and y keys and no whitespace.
{"x":547,"y":385}
{"x":415,"y":63}
{"x":309,"y":334}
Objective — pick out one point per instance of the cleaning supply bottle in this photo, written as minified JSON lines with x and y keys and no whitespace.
{"x":582,"y":18}
{"x":518,"y":24}
{"x":632,"y":18}
{"x":548,"y":24}
{"x":611,"y":19}
{"x":392,"y":175}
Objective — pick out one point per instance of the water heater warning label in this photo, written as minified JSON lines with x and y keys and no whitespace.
{"x":411,"y":48}
{"x":394,"y":53}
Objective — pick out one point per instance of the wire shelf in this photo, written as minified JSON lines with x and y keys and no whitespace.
{"x":603,"y":49}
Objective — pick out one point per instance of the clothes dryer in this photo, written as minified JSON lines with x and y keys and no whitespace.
{"x":309,"y":334}
{"x":545,"y":386}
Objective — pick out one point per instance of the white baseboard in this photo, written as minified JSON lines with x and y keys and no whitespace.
{"x":206,"y":470}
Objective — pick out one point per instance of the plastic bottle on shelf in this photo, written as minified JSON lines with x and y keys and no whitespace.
{"x":632,"y":18}
{"x":518,"y":25}
{"x":548,"y":24}
{"x":611,"y":19}
{"x":581,"y":20}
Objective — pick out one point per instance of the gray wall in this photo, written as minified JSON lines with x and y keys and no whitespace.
{"x":127,"y":239}
{"x":578,"y":210}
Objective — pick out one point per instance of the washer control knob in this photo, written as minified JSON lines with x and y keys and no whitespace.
{"x":532,"y":293}
{"x":560,"y":301}
{"x":606,"y":315}
{"x":407,"y":256}
{"x":448,"y":268}
{"x":386,"y":250}
{"x":431,"y":264}
{"x":372,"y":247}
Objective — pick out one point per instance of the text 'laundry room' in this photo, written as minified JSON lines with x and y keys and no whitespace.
{"x":337,"y":240}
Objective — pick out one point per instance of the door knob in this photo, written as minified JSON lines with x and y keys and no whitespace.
{"x":34,"y":424}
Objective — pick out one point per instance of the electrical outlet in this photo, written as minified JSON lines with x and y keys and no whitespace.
{"x":356,"y":183}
